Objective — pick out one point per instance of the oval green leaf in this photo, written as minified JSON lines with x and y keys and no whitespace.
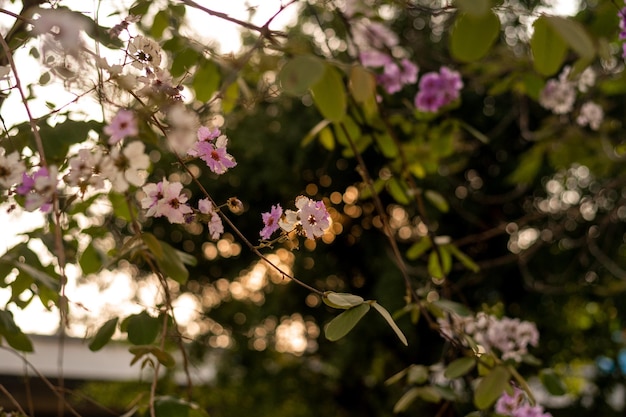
{"x":104,"y":334}
{"x":329,"y":95}
{"x":343,"y":323}
{"x":552,"y":382}
{"x":300,"y":73}
{"x":491,"y":387}
{"x":362,"y":84}
{"x":459,"y":367}
{"x":574,"y":34}
{"x":548,"y":47}
{"x":474,"y":7}
{"x":142,"y":328}
{"x":473,"y":36}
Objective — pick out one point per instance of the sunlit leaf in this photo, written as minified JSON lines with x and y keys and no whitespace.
{"x":473,"y":36}
{"x":437,"y":200}
{"x":314,"y":132}
{"x":417,"y":374}
{"x":343,"y":323}
{"x":574,"y":34}
{"x":341,"y":300}
{"x":329,"y":95}
{"x":103,"y":335}
{"x":327,"y":138}
{"x":90,"y":261}
{"x":206,"y":80}
{"x":160,"y":22}
{"x":453,"y":307}
{"x":419,"y":248}
{"x":398,"y":190}
{"x":406,"y":400}
{"x":463,"y":258}
{"x":490,"y":387}
{"x":474,"y":7}
{"x":434,"y":265}
{"x":362,"y":84}
{"x":383,"y":312}
{"x":300,"y":73}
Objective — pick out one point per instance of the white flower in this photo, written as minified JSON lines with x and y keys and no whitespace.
{"x":590,"y":114}
{"x":11,"y":169}
{"x":63,"y":24}
{"x":587,"y":79}
{"x":558,"y":96}
{"x":146,"y":52}
{"x":129,"y":166}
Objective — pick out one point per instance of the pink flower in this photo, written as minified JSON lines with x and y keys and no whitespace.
{"x":438,"y":89}
{"x":39,"y":189}
{"x":123,"y":124}
{"x":507,"y":404}
{"x":165,"y":199}
{"x":216,"y":228}
{"x":215,"y":155}
{"x":270,"y":220}
{"x":206,"y":134}
{"x":313,"y":216}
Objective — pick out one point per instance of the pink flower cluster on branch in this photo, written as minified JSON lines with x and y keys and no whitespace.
{"x":311,"y":219}
{"x":211,"y":148}
{"x":438,"y":89}
{"x":395,"y":74}
{"x":516,"y":405}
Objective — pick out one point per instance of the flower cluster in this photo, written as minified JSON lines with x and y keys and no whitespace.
{"x":165,"y":199}
{"x":516,"y":405}
{"x":211,"y":148}
{"x":122,"y":125}
{"x":591,"y":114}
{"x":438,"y":89}
{"x":510,"y":337}
{"x":311,"y":219}
{"x":39,"y":189}
{"x":395,"y":75}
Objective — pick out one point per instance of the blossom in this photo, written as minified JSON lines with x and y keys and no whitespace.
{"x":11,"y":168}
{"x":270,"y":220}
{"x":558,"y":95}
{"x":313,"y":216}
{"x":214,"y":154}
{"x":39,"y":188}
{"x":206,"y":134}
{"x":63,"y":24}
{"x":87,"y":167}
{"x":516,"y":405}
{"x":128,"y":167}
{"x":394,"y":75}
{"x":122,"y":125}
{"x":165,"y":199}
{"x":438,"y":89}
{"x":590,"y":114}
{"x":216,"y":228}
{"x":145,"y":51}
{"x":622,"y":25}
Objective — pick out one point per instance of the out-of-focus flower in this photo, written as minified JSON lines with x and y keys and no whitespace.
{"x":270,"y":221}
{"x":63,"y":24}
{"x":129,"y":166}
{"x":122,"y":125}
{"x":559,"y":95}
{"x":11,"y":168}
{"x":146,"y":53}
{"x":590,"y":114}
{"x":39,"y":188}
{"x":216,"y":227}
{"x":438,"y":89}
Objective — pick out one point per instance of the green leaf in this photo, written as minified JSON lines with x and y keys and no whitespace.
{"x":574,"y":34}
{"x":12,"y":333}
{"x":434,"y":266}
{"x":387,"y":145}
{"x":104,"y":334}
{"x":490,"y":387}
{"x":459,"y":367}
{"x":206,"y":81}
{"x":473,"y":36}
{"x":343,"y":323}
{"x":552,"y":382}
{"x":142,"y":328}
{"x":362,"y":84}
{"x":327,"y":138}
{"x":529,"y":166}
{"x":160,"y":22}
{"x":437,"y":200}
{"x":300,"y":73}
{"x":548,"y":48}
{"x":418,"y":248}
{"x":170,"y":260}
{"x":417,"y":374}
{"x":341,"y":300}
{"x":120,"y":206}
{"x":383,"y":312}
{"x":329,"y":95}
{"x":406,"y":400}
{"x":429,"y":394}
{"x":90,"y":261}
{"x":474,"y":7}
{"x":398,"y":190}
{"x":230,"y":97}
{"x":463,"y":258}
{"x":314,"y":132}
{"x":57,"y":139}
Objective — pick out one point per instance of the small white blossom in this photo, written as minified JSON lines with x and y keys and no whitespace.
{"x":590,"y":114}
{"x":11,"y":169}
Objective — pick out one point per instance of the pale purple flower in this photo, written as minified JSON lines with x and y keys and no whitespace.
{"x":216,"y":227}
{"x":270,"y":220}
{"x":154,"y":195}
{"x":438,"y":89}
{"x":215,"y":155}
{"x":507,"y":404}
{"x":394,"y":75}
{"x":527,"y":410}
{"x":128,"y":166}
{"x":122,"y":125}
